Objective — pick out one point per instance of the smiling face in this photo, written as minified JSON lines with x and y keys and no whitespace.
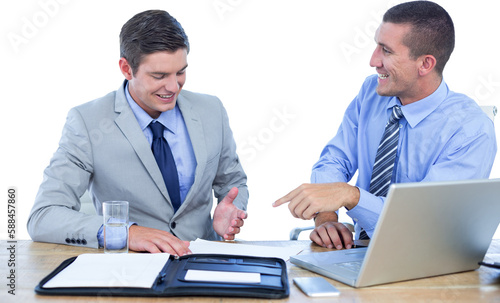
{"x":158,"y":81}
{"x":398,"y":72}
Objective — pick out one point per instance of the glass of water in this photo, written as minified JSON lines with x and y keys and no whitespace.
{"x":115,"y":214}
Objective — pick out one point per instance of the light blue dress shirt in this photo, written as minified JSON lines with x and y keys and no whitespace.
{"x":445,"y":136}
{"x":178,"y":139}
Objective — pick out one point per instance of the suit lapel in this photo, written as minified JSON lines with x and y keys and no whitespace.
{"x":130,"y":128}
{"x":196,"y":135}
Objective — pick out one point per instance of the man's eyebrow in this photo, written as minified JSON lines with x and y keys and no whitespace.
{"x":159,"y":73}
{"x":166,"y":74}
{"x":385,"y":46}
{"x":184,"y":68}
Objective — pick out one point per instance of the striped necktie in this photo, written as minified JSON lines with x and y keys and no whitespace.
{"x":384,"y":160}
{"x":386,"y":155}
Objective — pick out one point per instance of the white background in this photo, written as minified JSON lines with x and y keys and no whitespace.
{"x":285,"y":70}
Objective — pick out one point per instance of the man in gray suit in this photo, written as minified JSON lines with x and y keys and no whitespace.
{"x":106,"y":148}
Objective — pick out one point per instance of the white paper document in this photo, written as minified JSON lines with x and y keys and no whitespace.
{"x":227,"y":248}
{"x":222,"y":276}
{"x":111,"y":270}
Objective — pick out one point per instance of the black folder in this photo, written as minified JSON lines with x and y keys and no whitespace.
{"x":170,"y":281}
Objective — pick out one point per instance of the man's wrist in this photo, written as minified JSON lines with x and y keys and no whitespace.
{"x":100,"y":234}
{"x":353,"y":198}
{"x":325,"y":217}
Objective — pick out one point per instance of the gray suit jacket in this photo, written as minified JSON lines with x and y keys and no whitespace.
{"x":103,"y":149}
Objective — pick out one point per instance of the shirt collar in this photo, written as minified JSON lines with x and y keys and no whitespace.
{"x":417,"y":111}
{"x":168,"y":118}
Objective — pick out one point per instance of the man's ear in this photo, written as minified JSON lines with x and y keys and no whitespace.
{"x":427,"y":64}
{"x":125,"y":68}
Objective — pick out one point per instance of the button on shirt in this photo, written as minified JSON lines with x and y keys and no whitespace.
{"x":445,"y":136}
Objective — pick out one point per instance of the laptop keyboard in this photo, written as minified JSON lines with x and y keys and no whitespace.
{"x":352,"y":266}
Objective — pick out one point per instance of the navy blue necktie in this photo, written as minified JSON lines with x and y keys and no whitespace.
{"x":166,"y":163}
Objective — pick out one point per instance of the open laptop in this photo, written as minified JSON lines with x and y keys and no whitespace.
{"x":425,"y":229}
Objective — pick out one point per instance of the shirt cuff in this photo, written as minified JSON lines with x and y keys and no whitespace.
{"x":367,"y":212}
{"x":100,"y":234}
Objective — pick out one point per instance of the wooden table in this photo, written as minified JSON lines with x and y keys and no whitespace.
{"x":35,"y":260}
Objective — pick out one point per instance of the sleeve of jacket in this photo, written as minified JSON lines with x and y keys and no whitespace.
{"x":55,"y":216}
{"x":230,"y":173}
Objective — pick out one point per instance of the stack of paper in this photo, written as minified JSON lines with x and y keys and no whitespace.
{"x":110,"y":270}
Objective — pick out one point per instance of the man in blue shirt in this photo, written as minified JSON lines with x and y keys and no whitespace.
{"x":443,"y":135}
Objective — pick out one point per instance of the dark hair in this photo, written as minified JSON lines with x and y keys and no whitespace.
{"x":148,"y":32}
{"x":432,"y":31}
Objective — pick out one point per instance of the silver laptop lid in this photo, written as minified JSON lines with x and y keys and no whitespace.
{"x":429,"y":229}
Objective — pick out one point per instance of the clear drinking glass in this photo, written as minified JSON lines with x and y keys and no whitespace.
{"x":115,"y":214}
